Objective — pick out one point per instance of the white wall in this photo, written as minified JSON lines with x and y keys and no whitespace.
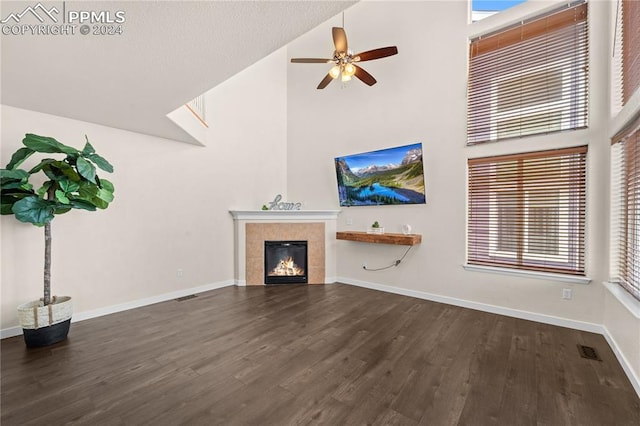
{"x":421,"y":97}
{"x":171,"y":205}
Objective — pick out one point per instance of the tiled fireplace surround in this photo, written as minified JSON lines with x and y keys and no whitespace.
{"x":253,"y":228}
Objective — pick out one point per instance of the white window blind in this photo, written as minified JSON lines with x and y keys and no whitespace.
{"x":530,"y":78}
{"x":625,"y":194}
{"x":630,"y":48}
{"x":527,"y":211}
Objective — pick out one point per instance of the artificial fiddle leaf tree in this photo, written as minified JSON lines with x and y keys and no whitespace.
{"x":70,"y":182}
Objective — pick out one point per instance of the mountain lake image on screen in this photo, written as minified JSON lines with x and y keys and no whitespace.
{"x":389,"y":176}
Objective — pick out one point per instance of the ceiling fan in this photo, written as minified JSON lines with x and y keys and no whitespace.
{"x":345,"y":61}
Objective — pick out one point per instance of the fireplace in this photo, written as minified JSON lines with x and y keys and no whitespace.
{"x":253,"y":227}
{"x":285,"y":262}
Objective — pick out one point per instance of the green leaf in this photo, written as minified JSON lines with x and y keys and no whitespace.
{"x":9,"y":198}
{"x":87,"y":191}
{"x":62,"y":209}
{"x":94,"y":195}
{"x":48,"y":144}
{"x":42,"y":191}
{"x":14,"y":174}
{"x":100,"y":162}
{"x":19,"y":156}
{"x":88,"y":148}
{"x":17,"y":193}
{"x":60,"y":171}
{"x":42,"y":164}
{"x":6,"y":204}
{"x":69,"y":172}
{"x":86,"y":169}
{"x":105,"y":184}
{"x":69,"y":186}
{"x":82,"y":204}
{"x":61,"y":196}
{"x":34,"y":210}
{"x":105,"y":195}
{"x":5,"y":208}
{"x":99,"y":203}
{"x":25,"y":186}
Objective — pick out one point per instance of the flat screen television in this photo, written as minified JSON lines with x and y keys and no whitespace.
{"x":383,"y":177}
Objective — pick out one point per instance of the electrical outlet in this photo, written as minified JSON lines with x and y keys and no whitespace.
{"x":566,"y":293}
{"x":349,"y":221}
{"x":179,"y":273}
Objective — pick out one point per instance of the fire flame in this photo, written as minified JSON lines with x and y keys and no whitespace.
{"x":287,"y":267}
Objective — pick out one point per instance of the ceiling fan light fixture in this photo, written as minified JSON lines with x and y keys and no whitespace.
{"x":334,"y":72}
{"x":349,"y":69}
{"x":345,"y":77}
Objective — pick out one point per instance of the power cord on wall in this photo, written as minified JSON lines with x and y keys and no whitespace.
{"x":394,"y":264}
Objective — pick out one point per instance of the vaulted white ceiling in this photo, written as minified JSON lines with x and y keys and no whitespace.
{"x":168,"y":53}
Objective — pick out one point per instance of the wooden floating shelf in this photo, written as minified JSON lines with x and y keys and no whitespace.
{"x":388,"y":238}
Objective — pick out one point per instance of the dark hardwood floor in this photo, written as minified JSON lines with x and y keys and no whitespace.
{"x":334,"y":354}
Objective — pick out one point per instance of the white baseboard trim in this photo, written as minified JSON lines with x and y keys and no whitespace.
{"x":515,"y":313}
{"x":10,"y":332}
{"x":81,"y":316}
{"x":632,"y":375}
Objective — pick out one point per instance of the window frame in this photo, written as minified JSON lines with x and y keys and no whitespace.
{"x":526,"y":176}
{"x":625,"y":190}
{"x":496,"y":58}
{"x":630,"y":69}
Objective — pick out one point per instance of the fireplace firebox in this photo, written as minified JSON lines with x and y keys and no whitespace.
{"x":285,"y":262}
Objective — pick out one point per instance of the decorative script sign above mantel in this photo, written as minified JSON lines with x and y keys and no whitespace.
{"x":277,"y":204}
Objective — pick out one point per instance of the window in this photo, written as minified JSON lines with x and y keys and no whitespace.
{"x":530,"y":78}
{"x":527,"y":211}
{"x":630,"y":48}
{"x":625,"y":202}
{"x":481,"y":9}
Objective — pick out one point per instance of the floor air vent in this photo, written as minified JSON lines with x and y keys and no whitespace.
{"x":183,"y":298}
{"x":588,"y":352}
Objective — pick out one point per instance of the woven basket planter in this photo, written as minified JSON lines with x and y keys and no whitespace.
{"x":45,"y":325}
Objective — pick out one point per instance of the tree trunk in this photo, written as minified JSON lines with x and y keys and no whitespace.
{"x":47,"y":263}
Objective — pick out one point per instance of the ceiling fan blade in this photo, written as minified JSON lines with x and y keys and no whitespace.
{"x":364,"y":76}
{"x":382,"y":52}
{"x":339,"y":39}
{"x":310,"y":61}
{"x":325,"y":81}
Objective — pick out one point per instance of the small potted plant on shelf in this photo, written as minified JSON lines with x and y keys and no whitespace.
{"x":376,"y":228}
{"x":69,"y":183}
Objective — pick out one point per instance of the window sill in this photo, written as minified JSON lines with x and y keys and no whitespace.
{"x":528,"y":274}
{"x":627,"y":300}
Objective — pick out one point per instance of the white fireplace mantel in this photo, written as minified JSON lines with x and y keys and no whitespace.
{"x":284,"y":214}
